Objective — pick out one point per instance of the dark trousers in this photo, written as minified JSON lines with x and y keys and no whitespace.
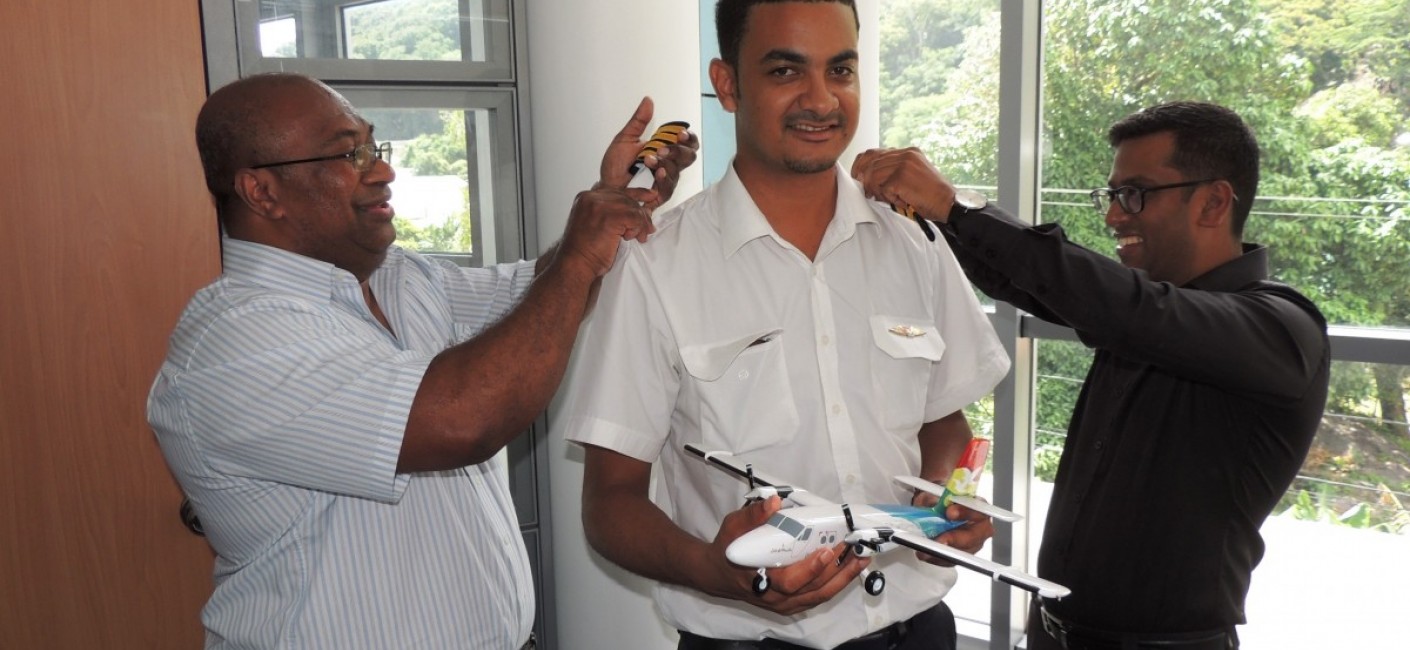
{"x":1058,"y":634}
{"x":932,"y":629}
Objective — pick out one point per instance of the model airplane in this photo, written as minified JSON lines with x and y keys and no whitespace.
{"x":794,"y":532}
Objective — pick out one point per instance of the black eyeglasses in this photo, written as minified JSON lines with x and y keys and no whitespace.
{"x":1131,"y":198}
{"x":363,"y":157}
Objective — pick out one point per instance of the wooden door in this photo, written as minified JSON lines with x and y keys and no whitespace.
{"x":107,"y":232}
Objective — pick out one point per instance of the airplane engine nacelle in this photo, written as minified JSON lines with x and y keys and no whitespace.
{"x":865,"y":542}
{"x":765,"y":491}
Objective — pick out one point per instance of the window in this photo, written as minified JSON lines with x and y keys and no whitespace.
{"x":453,"y":148}
{"x":427,"y":40}
{"x":452,"y":114}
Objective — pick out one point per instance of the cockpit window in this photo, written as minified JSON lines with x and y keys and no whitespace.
{"x":786,"y":524}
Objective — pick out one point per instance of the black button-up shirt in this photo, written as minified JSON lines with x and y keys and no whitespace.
{"x":1198,"y":410}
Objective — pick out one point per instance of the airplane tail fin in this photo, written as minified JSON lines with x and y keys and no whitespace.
{"x":964,"y":481}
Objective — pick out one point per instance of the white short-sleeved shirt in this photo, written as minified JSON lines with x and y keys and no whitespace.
{"x":721,"y":333}
{"x":280,"y":409}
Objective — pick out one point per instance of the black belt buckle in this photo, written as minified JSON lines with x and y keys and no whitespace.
{"x":896,"y":634}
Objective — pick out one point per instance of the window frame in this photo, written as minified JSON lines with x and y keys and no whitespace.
{"x":232,"y":28}
{"x":501,"y":231}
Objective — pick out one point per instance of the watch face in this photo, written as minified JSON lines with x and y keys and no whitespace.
{"x":970,"y":199}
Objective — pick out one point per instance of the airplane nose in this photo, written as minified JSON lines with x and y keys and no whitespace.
{"x":762,"y":548}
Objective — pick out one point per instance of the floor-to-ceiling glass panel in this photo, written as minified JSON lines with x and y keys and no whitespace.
{"x":939,"y":91}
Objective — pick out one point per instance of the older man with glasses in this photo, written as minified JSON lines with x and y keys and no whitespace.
{"x":333,"y":405}
{"x":1204,"y":395}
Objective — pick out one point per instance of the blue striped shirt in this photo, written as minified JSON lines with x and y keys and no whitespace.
{"x":281,"y":408}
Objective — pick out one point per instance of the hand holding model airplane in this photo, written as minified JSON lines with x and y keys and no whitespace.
{"x":794,"y":532}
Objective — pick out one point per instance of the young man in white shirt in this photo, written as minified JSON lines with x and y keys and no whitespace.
{"x":773,"y":316}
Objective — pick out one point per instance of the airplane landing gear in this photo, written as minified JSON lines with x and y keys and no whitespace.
{"x":875,"y":582}
{"x":761,"y":583}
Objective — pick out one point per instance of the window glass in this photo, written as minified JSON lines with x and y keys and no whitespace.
{"x":453,"y":151}
{"x":407,"y":30}
{"x":279,"y":38}
{"x":418,"y":30}
{"x":939,"y":86}
{"x":938,"y":90}
{"x":437,"y":175}
{"x":371,"y":40}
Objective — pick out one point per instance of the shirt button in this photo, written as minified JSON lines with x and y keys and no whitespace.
{"x":743,"y":374}
{"x":851,"y":478}
{"x":1099,"y":445}
{"x":837,"y":409}
{"x":826,"y":339}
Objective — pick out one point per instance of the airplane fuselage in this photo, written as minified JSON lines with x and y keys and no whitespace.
{"x":792,"y":533}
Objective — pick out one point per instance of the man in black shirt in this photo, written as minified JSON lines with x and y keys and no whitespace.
{"x":1206,"y":389}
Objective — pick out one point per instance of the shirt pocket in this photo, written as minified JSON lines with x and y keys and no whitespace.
{"x":906,"y":349}
{"x":745,"y":401}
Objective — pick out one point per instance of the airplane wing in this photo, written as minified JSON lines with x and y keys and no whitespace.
{"x":727,"y":462}
{"x":968,"y":502}
{"x":999,"y":572}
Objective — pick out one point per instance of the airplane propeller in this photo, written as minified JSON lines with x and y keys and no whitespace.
{"x":863,"y":543}
{"x":759,"y":490}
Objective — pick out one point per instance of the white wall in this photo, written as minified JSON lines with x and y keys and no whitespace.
{"x":590,"y":62}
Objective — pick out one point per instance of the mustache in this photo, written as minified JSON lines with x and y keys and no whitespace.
{"x":793,"y":119}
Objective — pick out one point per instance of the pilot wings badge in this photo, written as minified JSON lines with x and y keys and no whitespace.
{"x":908,"y":331}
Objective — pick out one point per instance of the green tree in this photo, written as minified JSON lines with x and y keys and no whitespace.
{"x":1349,"y":40}
{"x":440,"y":153}
{"x":921,"y":44}
{"x":418,"y":30}
{"x":454,"y":234}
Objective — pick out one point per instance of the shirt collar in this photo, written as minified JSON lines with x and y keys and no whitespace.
{"x":1236,"y":273}
{"x":271,"y":267}
{"x":741,"y":221}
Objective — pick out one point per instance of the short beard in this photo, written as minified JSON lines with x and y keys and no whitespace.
{"x":808,"y":166}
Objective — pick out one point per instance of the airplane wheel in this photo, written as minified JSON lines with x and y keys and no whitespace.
{"x":761,"y":584}
{"x":875,"y":582}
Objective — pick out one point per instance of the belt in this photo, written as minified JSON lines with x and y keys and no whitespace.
{"x":1079,"y":637}
{"x":886,"y":638}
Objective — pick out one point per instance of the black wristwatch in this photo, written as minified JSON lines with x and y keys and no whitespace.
{"x":967,"y":201}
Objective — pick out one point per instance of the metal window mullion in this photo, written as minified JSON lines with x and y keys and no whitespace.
{"x":1020,"y":114}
